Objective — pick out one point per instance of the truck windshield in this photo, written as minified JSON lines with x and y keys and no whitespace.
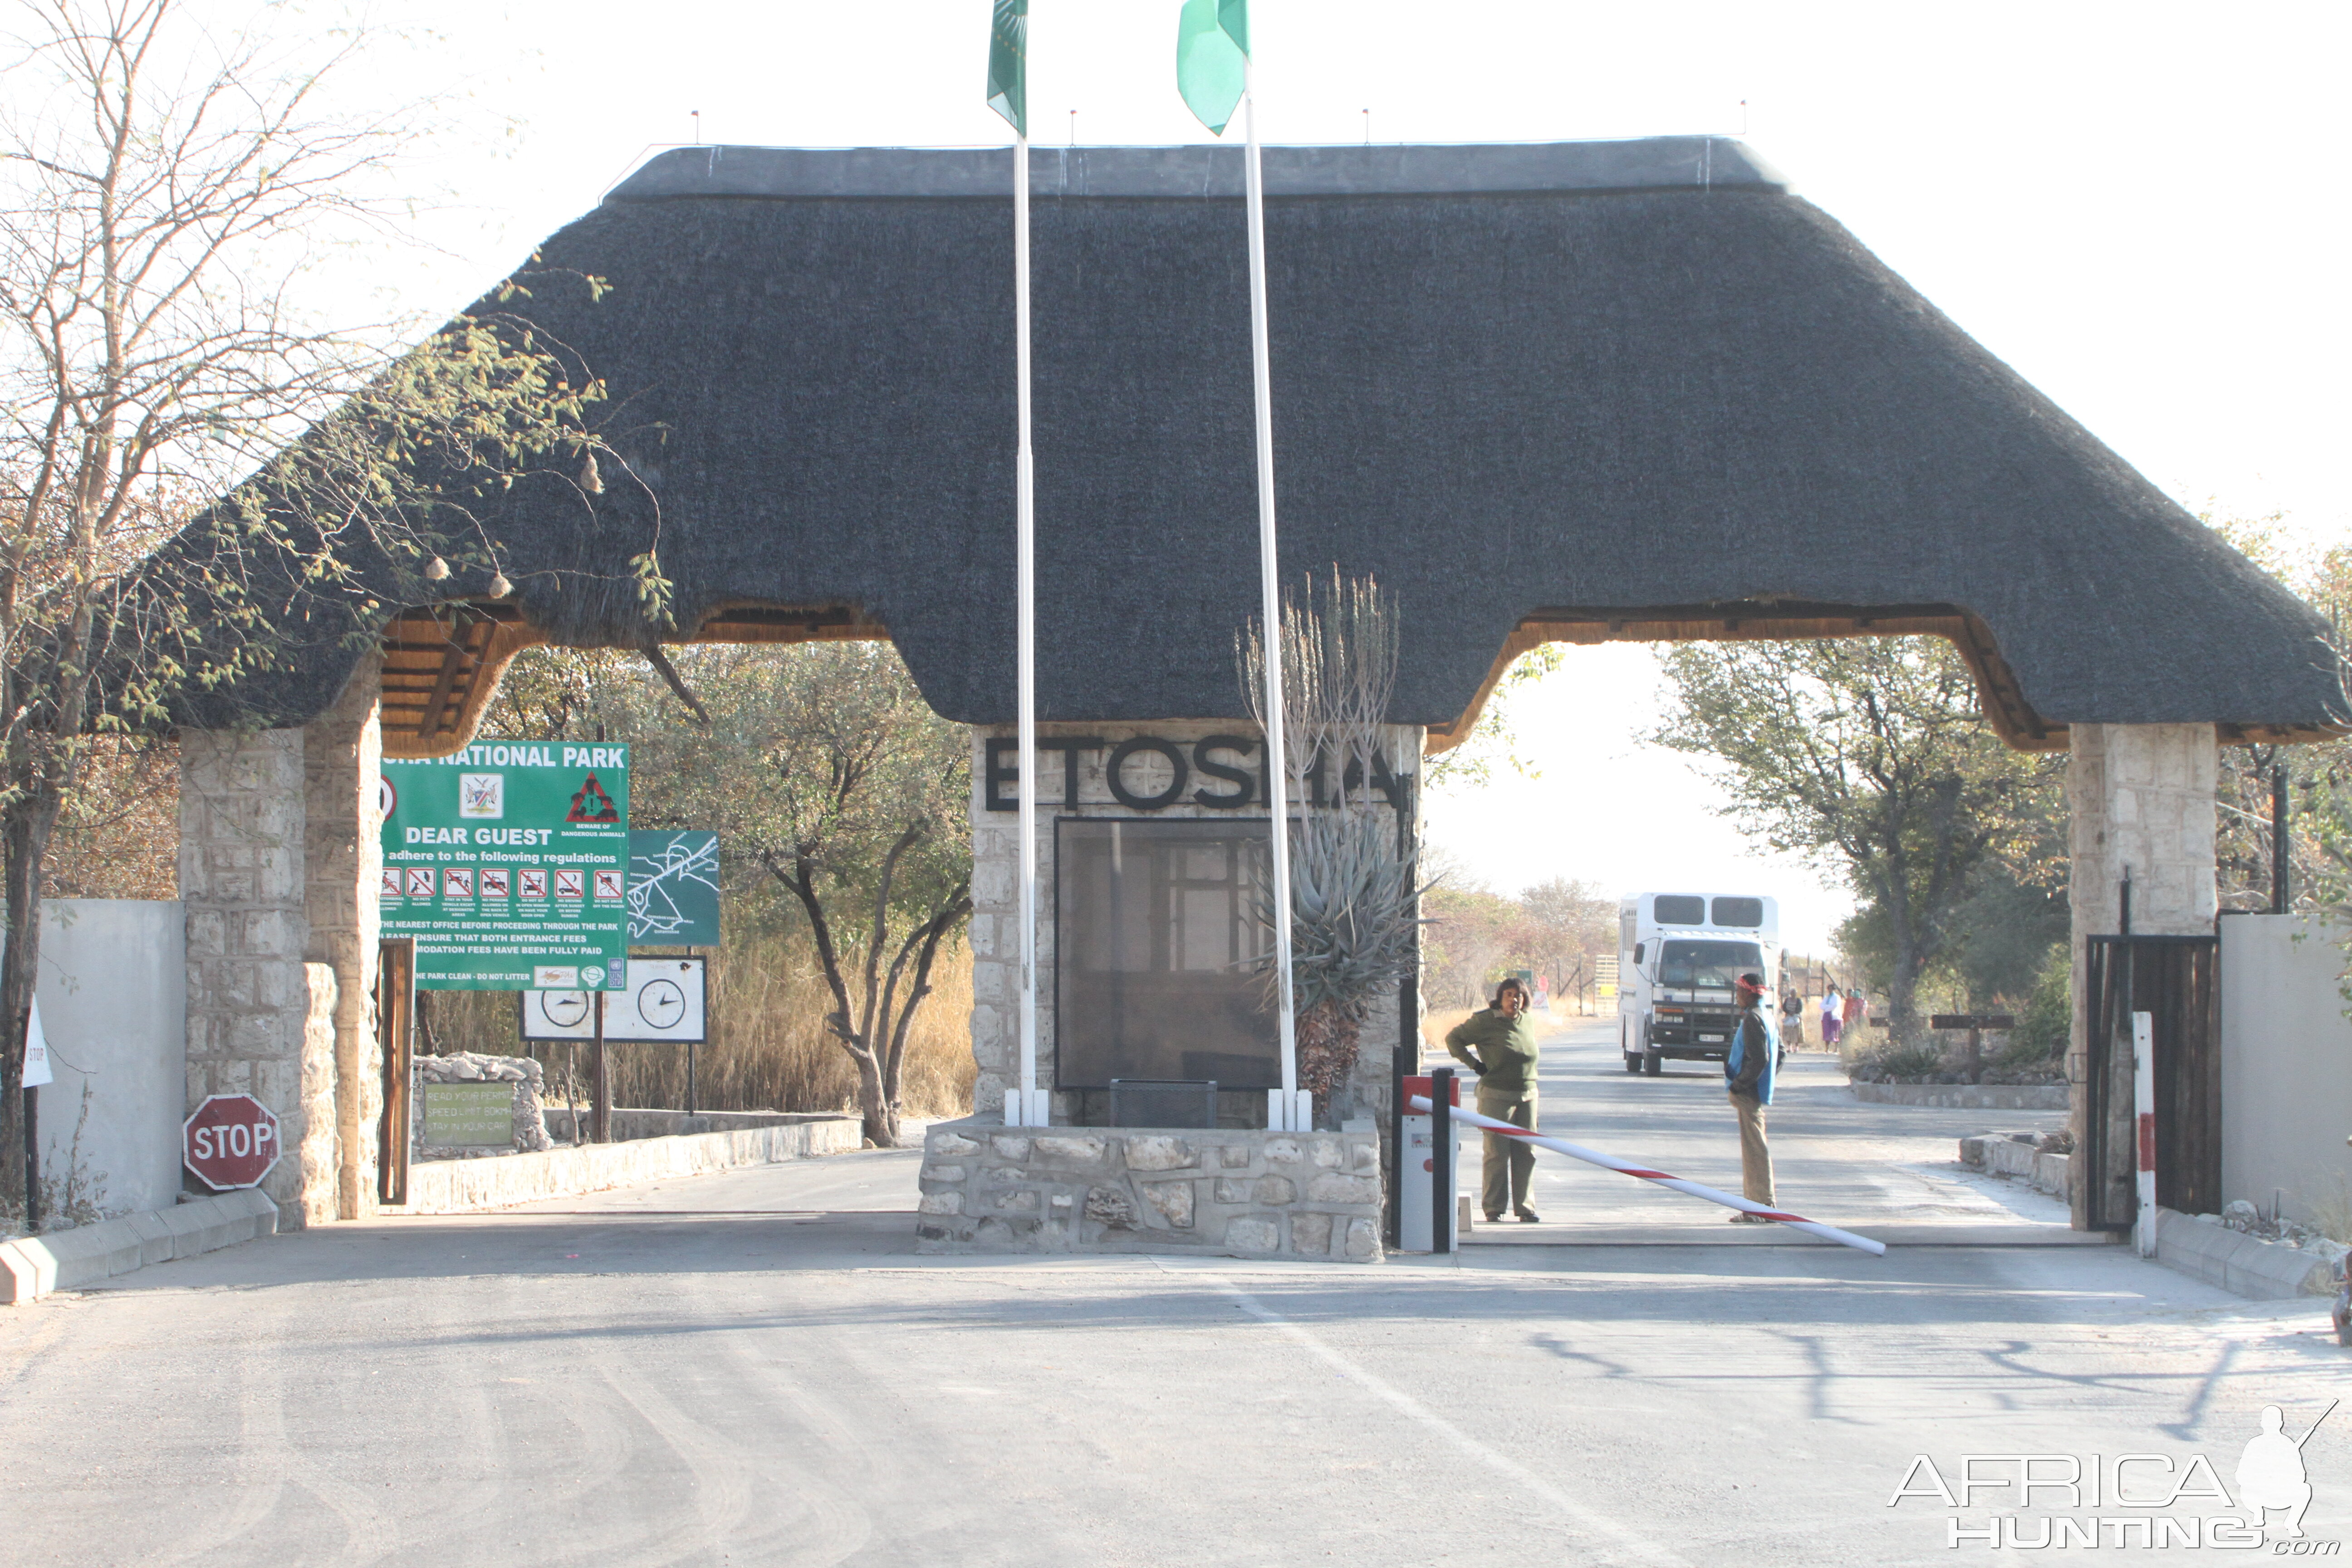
{"x":1709,"y":965}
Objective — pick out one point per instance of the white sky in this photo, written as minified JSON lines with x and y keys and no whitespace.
{"x":2137,"y":205}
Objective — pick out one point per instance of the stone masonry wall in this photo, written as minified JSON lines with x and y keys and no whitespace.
{"x":996,"y":899}
{"x":280,"y":857}
{"x":1235,"y":1193}
{"x":342,"y":754}
{"x":253,"y":1007}
{"x":2139,"y":796}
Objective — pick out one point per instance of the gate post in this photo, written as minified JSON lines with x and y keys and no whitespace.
{"x":342,"y":860}
{"x":2139,"y":798}
{"x":260,"y":1018}
{"x":278,"y":864}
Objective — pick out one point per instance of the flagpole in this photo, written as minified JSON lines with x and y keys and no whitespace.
{"x":1026,"y":1112}
{"x":1286,"y":1117}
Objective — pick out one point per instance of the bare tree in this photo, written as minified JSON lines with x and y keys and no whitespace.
{"x":824,"y":765}
{"x":164,"y":188}
{"x":1567,"y":925}
{"x":1868,"y":755}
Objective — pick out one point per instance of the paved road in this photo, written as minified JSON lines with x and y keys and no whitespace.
{"x":755,"y":1369}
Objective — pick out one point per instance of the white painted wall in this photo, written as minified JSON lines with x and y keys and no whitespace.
{"x":113,"y":993}
{"x":2286,"y":1063}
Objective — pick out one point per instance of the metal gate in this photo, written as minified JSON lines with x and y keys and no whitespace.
{"x":2176,"y":980}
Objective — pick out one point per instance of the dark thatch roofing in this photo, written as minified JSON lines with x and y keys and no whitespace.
{"x":1582,"y":391}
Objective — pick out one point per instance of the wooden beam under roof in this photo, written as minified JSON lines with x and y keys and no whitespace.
{"x":2004,"y":703}
{"x":442,"y":665}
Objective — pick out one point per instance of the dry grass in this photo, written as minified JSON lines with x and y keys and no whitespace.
{"x":2329,"y":1201}
{"x":770,"y":1050}
{"x":1437,"y":1023}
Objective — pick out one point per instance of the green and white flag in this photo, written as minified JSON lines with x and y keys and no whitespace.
{"x":1008,"y":63}
{"x":1212,"y":56}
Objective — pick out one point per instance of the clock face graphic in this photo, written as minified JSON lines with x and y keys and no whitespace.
{"x":565,"y":1009}
{"x":661,"y":1003}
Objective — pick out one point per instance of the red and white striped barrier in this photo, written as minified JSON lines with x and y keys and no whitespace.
{"x":1420,"y":1102}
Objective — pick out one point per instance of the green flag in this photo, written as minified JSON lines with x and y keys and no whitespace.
{"x":1008,"y":63}
{"x":1211,"y":48}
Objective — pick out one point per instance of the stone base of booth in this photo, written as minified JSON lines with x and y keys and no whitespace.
{"x":992,"y":1188}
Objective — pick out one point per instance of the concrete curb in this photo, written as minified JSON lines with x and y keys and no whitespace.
{"x":468,"y":1186}
{"x":32,"y":1266}
{"x":2259,"y":1270}
{"x":1965,"y":1095}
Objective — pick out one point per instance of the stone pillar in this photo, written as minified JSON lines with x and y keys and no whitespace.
{"x":256,"y":1013}
{"x":279,"y":859}
{"x":995,"y":935}
{"x":342,"y":751}
{"x":2140,"y":798}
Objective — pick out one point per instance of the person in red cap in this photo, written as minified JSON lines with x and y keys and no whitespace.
{"x":1747,"y":1074}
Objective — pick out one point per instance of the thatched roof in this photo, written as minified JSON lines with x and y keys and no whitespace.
{"x":1591,"y":390}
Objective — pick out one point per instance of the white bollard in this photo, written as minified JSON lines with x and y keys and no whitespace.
{"x":2144,"y":1130}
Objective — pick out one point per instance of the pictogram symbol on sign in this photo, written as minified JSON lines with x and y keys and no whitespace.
{"x":534,"y":884}
{"x":391,"y":884}
{"x":570,"y":884}
{"x":608,"y":884}
{"x":420,"y":882}
{"x":458,"y":882}
{"x":230,"y":1142}
{"x":495,"y":883}
{"x":592,"y":804}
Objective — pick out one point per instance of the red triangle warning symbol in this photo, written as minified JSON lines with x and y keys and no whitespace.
{"x":592,"y":804}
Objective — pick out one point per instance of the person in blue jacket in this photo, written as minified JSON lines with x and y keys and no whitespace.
{"x":1747,"y":1074}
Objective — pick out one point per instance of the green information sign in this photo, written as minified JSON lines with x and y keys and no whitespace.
{"x":674,"y":889}
{"x":469,"y":1115}
{"x":509,"y":865}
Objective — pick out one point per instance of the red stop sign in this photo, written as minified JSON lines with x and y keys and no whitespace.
{"x":230,"y":1142}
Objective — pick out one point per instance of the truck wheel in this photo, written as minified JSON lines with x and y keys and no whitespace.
{"x":1652,"y":1063}
{"x":1633,"y":1062}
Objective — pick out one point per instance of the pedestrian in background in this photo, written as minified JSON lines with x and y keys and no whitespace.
{"x":1792,"y":1016}
{"x":1832,"y":1017}
{"x":1499,"y":1043}
{"x":1856,"y":1010}
{"x":1748,"y":1075}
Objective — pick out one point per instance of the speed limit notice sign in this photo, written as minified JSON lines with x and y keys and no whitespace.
{"x":230,"y":1142}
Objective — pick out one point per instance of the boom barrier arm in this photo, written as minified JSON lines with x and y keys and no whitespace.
{"x":1696,"y":1189}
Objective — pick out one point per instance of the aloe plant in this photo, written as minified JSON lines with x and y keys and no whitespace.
{"x":1355,"y":892}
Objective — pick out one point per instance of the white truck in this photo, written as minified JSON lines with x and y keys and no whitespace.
{"x":1677,"y":957}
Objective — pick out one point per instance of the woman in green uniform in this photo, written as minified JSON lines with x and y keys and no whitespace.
{"x":1499,"y":1043}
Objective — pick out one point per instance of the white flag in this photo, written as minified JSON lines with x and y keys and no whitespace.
{"x":36,"y":1051}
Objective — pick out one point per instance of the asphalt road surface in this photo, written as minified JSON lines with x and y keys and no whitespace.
{"x":755,"y":1368}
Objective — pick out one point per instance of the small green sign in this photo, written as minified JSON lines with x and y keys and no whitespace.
{"x":470,"y":1115}
{"x":508,"y":863}
{"x":674,"y":889}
